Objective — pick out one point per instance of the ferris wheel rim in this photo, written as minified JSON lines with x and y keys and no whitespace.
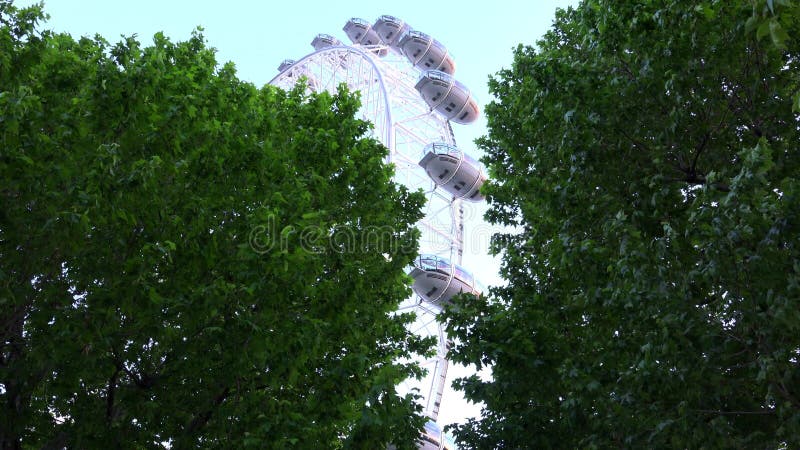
{"x":368,"y":56}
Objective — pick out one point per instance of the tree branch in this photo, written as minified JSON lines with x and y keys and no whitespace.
{"x":734,"y":413}
{"x":697,"y":179}
{"x":144,"y":381}
{"x":788,"y":395}
{"x":698,"y":150}
{"x":110,"y":390}
{"x":200,"y":420}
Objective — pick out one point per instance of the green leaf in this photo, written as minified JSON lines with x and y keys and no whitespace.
{"x":796,"y":102}
{"x":763,"y":29}
{"x":751,"y":24}
{"x":777,"y":33}
{"x":706,"y":10}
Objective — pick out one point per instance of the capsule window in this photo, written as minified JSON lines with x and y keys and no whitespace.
{"x":450,"y":107}
{"x":463,"y":116}
{"x":444,"y":174}
{"x":416,"y":53}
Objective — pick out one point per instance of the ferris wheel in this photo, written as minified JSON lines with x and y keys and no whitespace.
{"x":409,"y":92}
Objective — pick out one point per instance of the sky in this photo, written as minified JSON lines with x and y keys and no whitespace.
{"x":257,"y":35}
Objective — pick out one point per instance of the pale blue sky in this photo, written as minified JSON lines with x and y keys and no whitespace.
{"x":258,"y":35}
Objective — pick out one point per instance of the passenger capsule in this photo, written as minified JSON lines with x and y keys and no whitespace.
{"x":390,"y":30}
{"x":426,"y":53}
{"x":324,"y":40}
{"x":360,"y":32}
{"x":433,"y":438}
{"x":437,"y":280}
{"x":449,"y":97}
{"x":286,"y":64}
{"x":453,"y":170}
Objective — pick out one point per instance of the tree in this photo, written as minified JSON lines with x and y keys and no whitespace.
{"x":645,"y":159}
{"x":189,"y":261}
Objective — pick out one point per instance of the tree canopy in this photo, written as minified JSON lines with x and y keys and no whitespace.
{"x":645,"y":157}
{"x":168,"y":269}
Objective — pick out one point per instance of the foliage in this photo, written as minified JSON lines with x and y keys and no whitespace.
{"x":165,"y":277}
{"x":645,"y":157}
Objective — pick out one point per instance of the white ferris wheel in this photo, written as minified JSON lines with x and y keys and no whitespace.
{"x":409,"y":93}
